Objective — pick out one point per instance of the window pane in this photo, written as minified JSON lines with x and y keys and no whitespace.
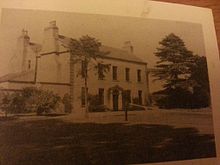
{"x":129,"y":96}
{"x":83,"y":96}
{"x":127,"y":74}
{"x":138,"y":75}
{"x":140,"y":97}
{"x":114,"y":72}
{"x":100,"y":72}
{"x":29,"y":64}
{"x":83,"y":99}
{"x":83,"y":67}
{"x":101,"y":96}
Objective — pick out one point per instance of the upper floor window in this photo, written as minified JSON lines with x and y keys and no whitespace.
{"x":139,"y":75}
{"x":114,"y":73}
{"x":127,"y":74}
{"x":29,"y":64}
{"x":101,"y":71}
{"x":83,"y":68}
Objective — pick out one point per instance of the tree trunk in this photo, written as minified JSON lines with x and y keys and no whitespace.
{"x":86,"y":88}
{"x":126,"y":113}
{"x":86,"y":98}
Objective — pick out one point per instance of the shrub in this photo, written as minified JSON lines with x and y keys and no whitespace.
{"x":136,"y":100}
{"x":30,"y":99}
{"x":46,"y":102}
{"x":13,"y":103}
{"x":95,"y":105}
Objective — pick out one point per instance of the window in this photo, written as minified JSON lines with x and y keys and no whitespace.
{"x":83,"y":67}
{"x":128,"y":96}
{"x":140,"y":97}
{"x":101,"y":96}
{"x":83,"y":99}
{"x":139,"y":75}
{"x":127,"y":74}
{"x":100,"y":71}
{"x":114,"y":73}
{"x":29,"y":64}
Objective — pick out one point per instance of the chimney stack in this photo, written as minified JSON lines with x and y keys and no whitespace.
{"x":52,"y":24}
{"x":25,"y":37}
{"x":128,"y":47}
{"x":24,"y":32}
{"x":51,"y":36}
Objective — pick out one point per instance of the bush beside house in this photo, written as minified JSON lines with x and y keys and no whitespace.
{"x":31,"y":99}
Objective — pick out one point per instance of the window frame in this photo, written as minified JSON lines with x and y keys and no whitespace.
{"x":127,"y":74}
{"x":139,"y":75}
{"x":114,"y":73}
{"x":101,"y":94}
{"x":140,"y":97}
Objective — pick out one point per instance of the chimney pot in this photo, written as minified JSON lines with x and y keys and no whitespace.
{"x":52,"y":23}
{"x":24,"y":32}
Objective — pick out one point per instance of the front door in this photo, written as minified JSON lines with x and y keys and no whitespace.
{"x":115,"y":102}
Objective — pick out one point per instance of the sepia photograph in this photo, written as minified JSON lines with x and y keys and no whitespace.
{"x":83,"y":89}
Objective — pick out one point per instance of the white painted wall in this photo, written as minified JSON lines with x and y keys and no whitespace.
{"x":94,"y":84}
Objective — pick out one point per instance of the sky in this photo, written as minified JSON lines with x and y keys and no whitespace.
{"x":144,"y":33}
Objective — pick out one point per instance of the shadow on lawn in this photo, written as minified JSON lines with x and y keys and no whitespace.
{"x":8,"y":118}
{"x":55,"y":142}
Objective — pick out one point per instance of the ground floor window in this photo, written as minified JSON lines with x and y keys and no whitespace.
{"x":101,"y":96}
{"x":127,"y":96}
{"x":83,"y":100}
{"x":140,"y":97}
{"x":83,"y":97}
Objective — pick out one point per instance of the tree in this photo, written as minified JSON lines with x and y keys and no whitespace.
{"x":175,"y":62}
{"x":86,"y":50}
{"x":184,"y":74}
{"x":201,"y":94}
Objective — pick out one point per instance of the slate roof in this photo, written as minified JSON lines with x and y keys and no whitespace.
{"x":121,"y":54}
{"x":115,"y":53}
{"x":19,"y":76}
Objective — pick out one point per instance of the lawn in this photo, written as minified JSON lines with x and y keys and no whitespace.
{"x":58,"y":140}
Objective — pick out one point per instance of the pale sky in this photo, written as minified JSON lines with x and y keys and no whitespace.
{"x":110,"y":30}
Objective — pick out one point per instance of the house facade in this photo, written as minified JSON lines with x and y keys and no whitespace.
{"x":48,"y":66}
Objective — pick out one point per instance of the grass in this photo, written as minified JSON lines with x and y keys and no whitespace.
{"x":54,"y":141}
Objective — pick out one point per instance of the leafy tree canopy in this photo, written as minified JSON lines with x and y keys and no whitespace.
{"x":184,"y":74}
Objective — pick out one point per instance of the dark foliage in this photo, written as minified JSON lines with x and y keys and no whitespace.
{"x":95,"y":105}
{"x":185,"y":76}
{"x":86,"y":50}
{"x":31,"y":99}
